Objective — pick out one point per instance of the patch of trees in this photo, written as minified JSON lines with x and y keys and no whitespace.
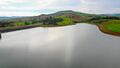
{"x":104,"y":17}
{"x":51,"y":21}
{"x":101,"y":19}
{"x":6,"y":24}
{"x":47,"y":21}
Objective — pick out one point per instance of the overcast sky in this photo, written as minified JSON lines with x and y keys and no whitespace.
{"x":37,"y":7}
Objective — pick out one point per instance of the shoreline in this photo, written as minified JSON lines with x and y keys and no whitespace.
{"x":5,"y":30}
{"x":101,"y":28}
{"x":106,"y":31}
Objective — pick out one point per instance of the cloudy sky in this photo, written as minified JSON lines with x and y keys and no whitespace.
{"x":37,"y":7}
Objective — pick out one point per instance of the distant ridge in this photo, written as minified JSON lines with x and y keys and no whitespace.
{"x":12,"y":17}
{"x":44,"y":16}
{"x":117,"y":15}
{"x":70,"y":12}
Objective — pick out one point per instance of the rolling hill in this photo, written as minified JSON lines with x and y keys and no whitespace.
{"x":67,"y":13}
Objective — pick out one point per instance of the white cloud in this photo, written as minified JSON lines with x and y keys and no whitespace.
{"x":25,"y":7}
{"x":33,"y":7}
{"x":14,"y":13}
{"x":100,"y":6}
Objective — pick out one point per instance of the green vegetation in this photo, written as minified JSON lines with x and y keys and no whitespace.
{"x":100,"y":19}
{"x":28,"y":23}
{"x":113,"y":25}
{"x":22,"y":23}
{"x":19,"y":24}
{"x":14,"y":24}
{"x":66,"y":21}
{"x":61,"y":18}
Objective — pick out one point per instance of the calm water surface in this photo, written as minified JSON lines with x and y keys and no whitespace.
{"x":76,"y":46}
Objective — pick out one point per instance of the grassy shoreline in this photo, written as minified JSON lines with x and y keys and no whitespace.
{"x":9,"y":29}
{"x":105,"y":30}
{"x":110,"y":27}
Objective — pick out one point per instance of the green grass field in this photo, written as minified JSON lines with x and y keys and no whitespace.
{"x":66,"y":21}
{"x":113,"y":25}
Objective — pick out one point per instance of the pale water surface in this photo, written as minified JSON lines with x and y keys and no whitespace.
{"x":76,"y":46}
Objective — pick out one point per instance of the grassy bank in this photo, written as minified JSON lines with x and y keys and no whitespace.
{"x":9,"y":29}
{"x":111,"y":27}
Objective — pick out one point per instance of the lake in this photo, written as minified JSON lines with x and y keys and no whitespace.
{"x":77,"y":46}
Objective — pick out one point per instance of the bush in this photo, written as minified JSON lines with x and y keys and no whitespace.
{"x":19,"y":23}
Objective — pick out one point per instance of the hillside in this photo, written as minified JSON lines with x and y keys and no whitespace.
{"x":71,"y":12}
{"x":60,"y":18}
{"x":68,"y":13}
{"x":12,"y":17}
{"x":3,"y":17}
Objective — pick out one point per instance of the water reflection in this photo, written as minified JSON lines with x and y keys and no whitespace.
{"x":77,"y":46}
